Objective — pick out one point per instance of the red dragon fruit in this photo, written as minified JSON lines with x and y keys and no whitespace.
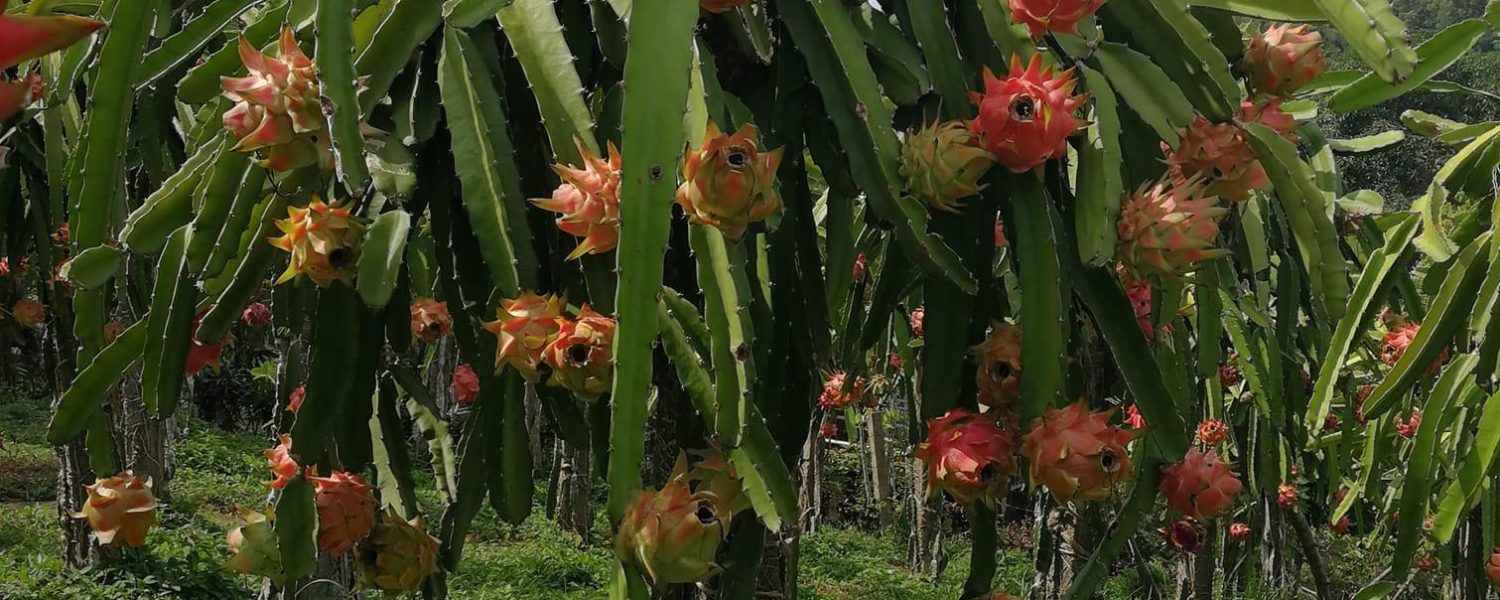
{"x":1427,"y":563}
{"x":1331,"y":422}
{"x":828,"y":430}
{"x":834,"y":395}
{"x":915,"y":320}
{"x":24,"y":37}
{"x":1219,"y":154}
{"x":1212,"y":432}
{"x":523,"y":328}
{"x":729,"y":182}
{"x":1239,"y":532}
{"x":1184,"y":535}
{"x":969,"y":455}
{"x":279,"y":459}
{"x":1286,"y":495}
{"x":430,"y":320}
{"x":942,"y":164}
{"x":861,"y":264}
{"x":1492,"y":568}
{"x":1168,"y":227}
{"x":256,"y":315}
{"x":1076,"y":454}
{"x":582,"y":355}
{"x":465,"y":384}
{"x":1041,"y":16}
{"x":673,"y":534}
{"x":1407,"y":428}
{"x":999,"y":373}
{"x":1027,"y":117}
{"x":1229,"y":374}
{"x":201,"y":354}
{"x":1200,"y":486}
{"x":1133,"y":417}
{"x":120,"y":509}
{"x":1000,"y":241}
{"x":323,"y":240}
{"x":294,"y":400}
{"x":1268,"y":112}
{"x":277,"y":109}
{"x":1283,"y":58}
{"x":1341,"y":527}
{"x":588,"y":201}
{"x":346,"y":511}
{"x":1362,"y":394}
{"x":1393,"y":346}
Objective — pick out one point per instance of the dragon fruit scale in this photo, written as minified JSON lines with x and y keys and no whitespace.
{"x":1221,"y":156}
{"x":942,"y":163}
{"x":588,"y":201}
{"x":1283,"y":58}
{"x":346,"y":511}
{"x":1027,"y":117}
{"x":277,"y":110}
{"x":1076,"y":454}
{"x":729,"y":182}
{"x":120,"y":509}
{"x":430,"y":320}
{"x":1166,"y":228}
{"x":999,"y":373}
{"x":323,"y":240}
{"x":397,"y":556}
{"x":581,"y":356}
{"x":523,"y":328}
{"x":1200,"y":485}
{"x":969,"y":455}
{"x":673,"y":534}
{"x":1041,"y":16}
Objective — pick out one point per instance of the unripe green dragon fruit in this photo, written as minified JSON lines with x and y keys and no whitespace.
{"x":1200,"y":485}
{"x":523,"y":328}
{"x":589,"y":202}
{"x":1166,"y":228}
{"x":1219,"y":154}
{"x":346,"y":511}
{"x":1077,"y":454}
{"x":942,"y":163}
{"x":255,"y":548}
{"x":672,"y":534}
{"x":999,"y":373}
{"x":1283,"y":58}
{"x":969,"y":455}
{"x":729,"y":182}
{"x":277,"y":111}
{"x":120,"y":509}
{"x":323,"y":240}
{"x":397,"y":556}
{"x":1027,"y":117}
{"x":581,"y":356}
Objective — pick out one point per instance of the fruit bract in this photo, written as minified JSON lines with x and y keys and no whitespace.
{"x":1077,"y":454}
{"x":1041,"y":16}
{"x":969,"y":455}
{"x":294,"y":400}
{"x":279,"y":459}
{"x":24,"y":37}
{"x":523,"y":328}
{"x":430,"y":320}
{"x":277,"y":109}
{"x":323,"y":240}
{"x":729,"y":182}
{"x":346,"y":511}
{"x":1219,"y":154}
{"x":672,"y":534}
{"x":1200,"y":485}
{"x":942,"y":163}
{"x":1268,"y":112}
{"x":120,"y":509}
{"x":999,"y":372}
{"x":397,"y":556}
{"x":588,"y":201}
{"x":1283,"y":58}
{"x":1027,"y":117}
{"x":581,"y":355}
{"x":1167,"y":228}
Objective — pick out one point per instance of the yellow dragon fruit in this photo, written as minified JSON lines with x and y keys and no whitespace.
{"x":729,"y":182}
{"x":1219,"y":154}
{"x":255,"y":548}
{"x":120,"y":509}
{"x":1077,"y":454}
{"x":277,"y":111}
{"x":581,"y":356}
{"x":589,"y":202}
{"x":430,"y":320}
{"x":346,"y":511}
{"x":323,"y":240}
{"x":397,"y":556}
{"x":523,"y":328}
{"x":1283,"y":58}
{"x":969,"y":455}
{"x":672,"y":534}
{"x":1166,"y":228}
{"x":943,"y":162}
{"x":999,"y":373}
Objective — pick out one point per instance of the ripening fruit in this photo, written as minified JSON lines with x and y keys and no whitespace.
{"x":1286,"y":495}
{"x":112,"y":330}
{"x":523,"y":328}
{"x":834,"y":395}
{"x":277,"y":109}
{"x":1139,"y":292}
{"x":1184,"y":535}
{"x":1166,"y":228}
{"x":323,"y":240}
{"x":256,"y":315}
{"x":915,"y":320}
{"x":1283,"y":58}
{"x":346,"y":511}
{"x":28,"y":313}
{"x":672,"y":534}
{"x":1200,"y":485}
{"x":1219,"y":154}
{"x":255,"y":548}
{"x":1076,"y":454}
{"x":1268,"y":112}
{"x":1407,"y":428}
{"x":120,"y":509}
{"x":1133,"y":417}
{"x":1212,"y":432}
{"x":430,"y":320}
{"x":581,"y":356}
{"x":1239,"y":532}
{"x":828,"y":430}
{"x":294,"y":400}
{"x":203,"y":354}
{"x":1492,"y":568}
{"x":397,"y":556}
{"x":1041,"y":16}
{"x":1027,"y":117}
{"x":729,"y":182}
{"x":465,"y":384}
{"x":1393,"y":346}
{"x":999,"y":372}
{"x":969,"y":455}
{"x":279,"y":459}
{"x":942,"y":163}
{"x":588,"y":200}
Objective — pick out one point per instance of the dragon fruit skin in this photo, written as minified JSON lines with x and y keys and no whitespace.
{"x":1076,"y":454}
{"x":1283,"y":58}
{"x":323,"y":241}
{"x":1041,"y":16}
{"x":942,"y":164}
{"x":120,"y":509}
{"x":969,"y":455}
{"x":1026,"y":118}
{"x":523,"y":328}
{"x":397,"y":556}
{"x":1166,"y":228}
{"x":588,"y":202}
{"x":256,"y":315}
{"x":277,"y":110}
{"x":346,"y":511}
{"x":465,"y":384}
{"x":279,"y":459}
{"x":1219,"y":154}
{"x":729,"y":182}
{"x":582,"y":354}
{"x":1200,"y":485}
{"x":673,"y":534}
{"x":999,"y":374}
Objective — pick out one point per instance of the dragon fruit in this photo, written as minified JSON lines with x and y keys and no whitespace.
{"x":323,"y":240}
{"x":1341,"y":527}
{"x":18,"y":94}
{"x":1219,"y":154}
{"x":1200,"y":485}
{"x":1492,"y":568}
{"x":1229,"y":374}
{"x":1283,"y":58}
{"x":1000,"y":241}
{"x":1286,"y":495}
{"x":203,"y":354}
{"x":894,"y":361}
{"x":1027,"y":117}
{"x":1360,"y":395}
{"x":1268,"y":112}
{"x":397,"y":556}
{"x":721,"y":6}
{"x":713,"y":473}
{"x":1076,"y":454}
{"x":1139,"y":292}
{"x":24,"y":37}
{"x":1407,"y":428}
{"x":430,"y":320}
{"x":1331,"y":422}
{"x":581,"y":356}
{"x":294,"y":400}
{"x":277,"y":110}
{"x":346,"y":511}
{"x":120,"y":509}
{"x":255,"y":548}
{"x":1239,"y":532}
{"x":1212,"y":432}
{"x":257,"y":315}
{"x":588,"y":201}
{"x":279,"y":459}
{"x":861,"y":264}
{"x":834,"y":395}
{"x":828,"y":430}
{"x":523,"y":328}
{"x":999,"y":373}
{"x":1393,"y":346}
{"x":915,"y":320}
{"x":1427,"y":563}
{"x":969,"y":455}
{"x":1184,"y":535}
{"x":1166,"y":228}
{"x":465,"y":384}
{"x":942,"y":164}
{"x":729,"y":182}
{"x":1041,"y":16}
{"x":1133,"y":417}
{"x":28,"y":313}
{"x":672,"y":534}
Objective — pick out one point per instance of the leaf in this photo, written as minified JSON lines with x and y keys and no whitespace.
{"x":1463,"y":491}
{"x":93,"y":267}
{"x":1374,"y":32}
{"x":85,"y":394}
{"x":396,"y":39}
{"x":1300,"y":11}
{"x":464,"y":14}
{"x":1043,"y":308}
{"x":297,"y":528}
{"x":1420,"y":471}
{"x":536,"y":37}
{"x":1435,"y":55}
{"x":380,"y":257}
{"x":729,"y":329}
{"x":183,"y":45}
{"x":1368,"y":143}
{"x":1146,"y":89}
{"x":1100,"y":185}
{"x":170,"y":206}
{"x":169,"y":327}
{"x":335,"y":61}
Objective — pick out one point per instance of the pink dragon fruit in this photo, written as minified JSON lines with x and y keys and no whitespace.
{"x":465,"y":384}
{"x":1077,"y":454}
{"x":430,"y":320}
{"x":277,"y":109}
{"x":999,"y":373}
{"x":1402,"y":334}
{"x":1492,"y":568}
{"x":523,"y":328}
{"x":1268,"y":112}
{"x":1283,"y":58}
{"x":1027,"y":117}
{"x":942,"y":164}
{"x":1200,"y":485}
{"x":1407,"y":428}
{"x":861,"y":264}
{"x":294,"y":400}
{"x":120,"y":509}
{"x":582,"y":355}
{"x":1000,"y":241}
{"x":24,"y":37}
{"x":673,"y":534}
{"x":1041,"y":16}
{"x":828,"y":430}
{"x":256,"y":315}
{"x":834,"y":396}
{"x":729,"y":182}
{"x":279,"y":459}
{"x":1133,"y":417}
{"x":346,"y":511}
{"x":588,"y":201}
{"x":28,"y":313}
{"x":969,"y":455}
{"x":1286,"y":495}
{"x":1239,"y":532}
{"x":1219,"y":154}
{"x":915,"y":320}
{"x":1166,"y":228}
